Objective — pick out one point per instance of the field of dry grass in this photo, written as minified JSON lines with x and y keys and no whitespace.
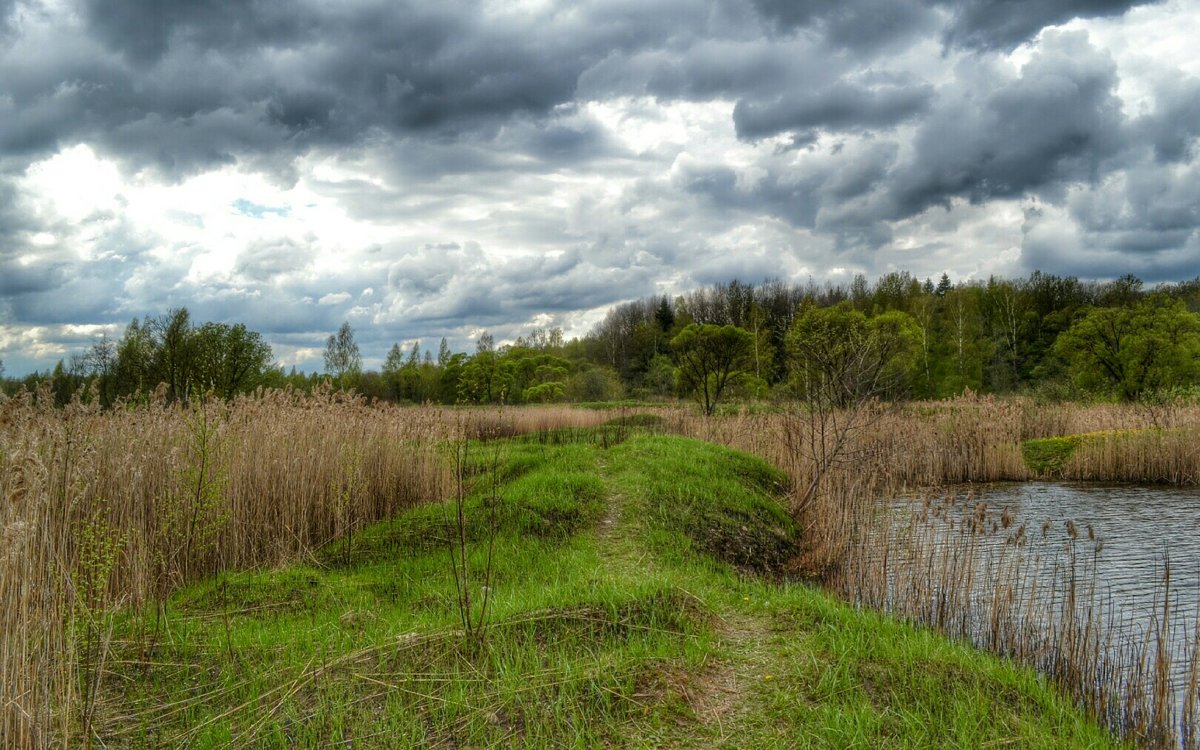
{"x":108,"y":509}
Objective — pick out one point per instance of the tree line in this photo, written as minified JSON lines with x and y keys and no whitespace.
{"x":1048,"y":335}
{"x":168,"y":354}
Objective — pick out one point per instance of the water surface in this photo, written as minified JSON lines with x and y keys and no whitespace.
{"x":1116,"y":542}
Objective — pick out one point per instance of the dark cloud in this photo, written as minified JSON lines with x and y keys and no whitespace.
{"x":183,"y":86}
{"x":988,"y":135}
{"x":1055,"y":123}
{"x":6,"y":11}
{"x":788,"y":195}
{"x":1056,"y":246}
{"x":1174,"y":125}
{"x":868,"y":26}
{"x":52,"y":291}
{"x":17,"y":279}
{"x":840,"y":107}
{"x":186,"y":86}
{"x":1144,"y":220}
{"x":1003,"y":24}
{"x":144,"y":29}
{"x":488,"y":293}
{"x":1149,"y":210}
{"x":716,"y":66}
{"x":429,"y":270}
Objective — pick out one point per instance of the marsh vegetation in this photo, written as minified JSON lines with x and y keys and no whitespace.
{"x":641,"y":590}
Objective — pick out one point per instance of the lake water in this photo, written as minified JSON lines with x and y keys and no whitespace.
{"x":1118,"y":542}
{"x":1139,"y":527}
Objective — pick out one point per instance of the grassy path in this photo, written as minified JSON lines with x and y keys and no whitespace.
{"x":634,"y":601}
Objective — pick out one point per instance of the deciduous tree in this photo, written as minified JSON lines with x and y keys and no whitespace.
{"x":1129,"y":353}
{"x":342,"y":358}
{"x":710,"y":357}
{"x":842,"y":364}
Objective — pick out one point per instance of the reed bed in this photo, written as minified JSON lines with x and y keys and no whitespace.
{"x":104,"y":510}
{"x":971,"y":439}
{"x":1153,"y":455}
{"x":880,"y":451}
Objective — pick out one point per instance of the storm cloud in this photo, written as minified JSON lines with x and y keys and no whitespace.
{"x":1003,"y":24}
{"x":427,"y":170}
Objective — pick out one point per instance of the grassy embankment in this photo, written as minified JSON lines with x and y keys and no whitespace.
{"x":636,"y":599}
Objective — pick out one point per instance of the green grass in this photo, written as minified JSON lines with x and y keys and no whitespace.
{"x":639,"y":598}
{"x":1047,"y":456}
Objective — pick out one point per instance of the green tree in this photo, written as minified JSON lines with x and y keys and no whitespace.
{"x":962,"y":345}
{"x":661,"y":377}
{"x":710,"y":357}
{"x":174,"y":355}
{"x":230,"y":359}
{"x":1005,"y":314}
{"x":487,"y":377}
{"x":1131,"y":352}
{"x":843,"y":362}
{"x":101,"y":361}
{"x":840,"y":358}
{"x":450,"y":377}
{"x":410,"y":376}
{"x":664,"y":316}
{"x":599,"y":383}
{"x":135,"y":358}
{"x":342,"y":358}
{"x":391,"y":371}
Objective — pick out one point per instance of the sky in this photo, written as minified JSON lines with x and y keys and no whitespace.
{"x":433,"y":169}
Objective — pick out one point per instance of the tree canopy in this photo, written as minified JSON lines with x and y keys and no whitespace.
{"x":343,"y":361}
{"x":1048,"y":335}
{"x":1132,"y":352}
{"x":841,"y":357}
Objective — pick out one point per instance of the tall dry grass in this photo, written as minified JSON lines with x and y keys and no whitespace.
{"x":1150,"y":455}
{"x":109,"y":509}
{"x":886,"y":449}
{"x":971,"y":439}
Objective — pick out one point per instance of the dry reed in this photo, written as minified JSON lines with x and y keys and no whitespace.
{"x":109,"y":509}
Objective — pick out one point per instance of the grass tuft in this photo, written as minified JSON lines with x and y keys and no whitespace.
{"x":1047,"y":456}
